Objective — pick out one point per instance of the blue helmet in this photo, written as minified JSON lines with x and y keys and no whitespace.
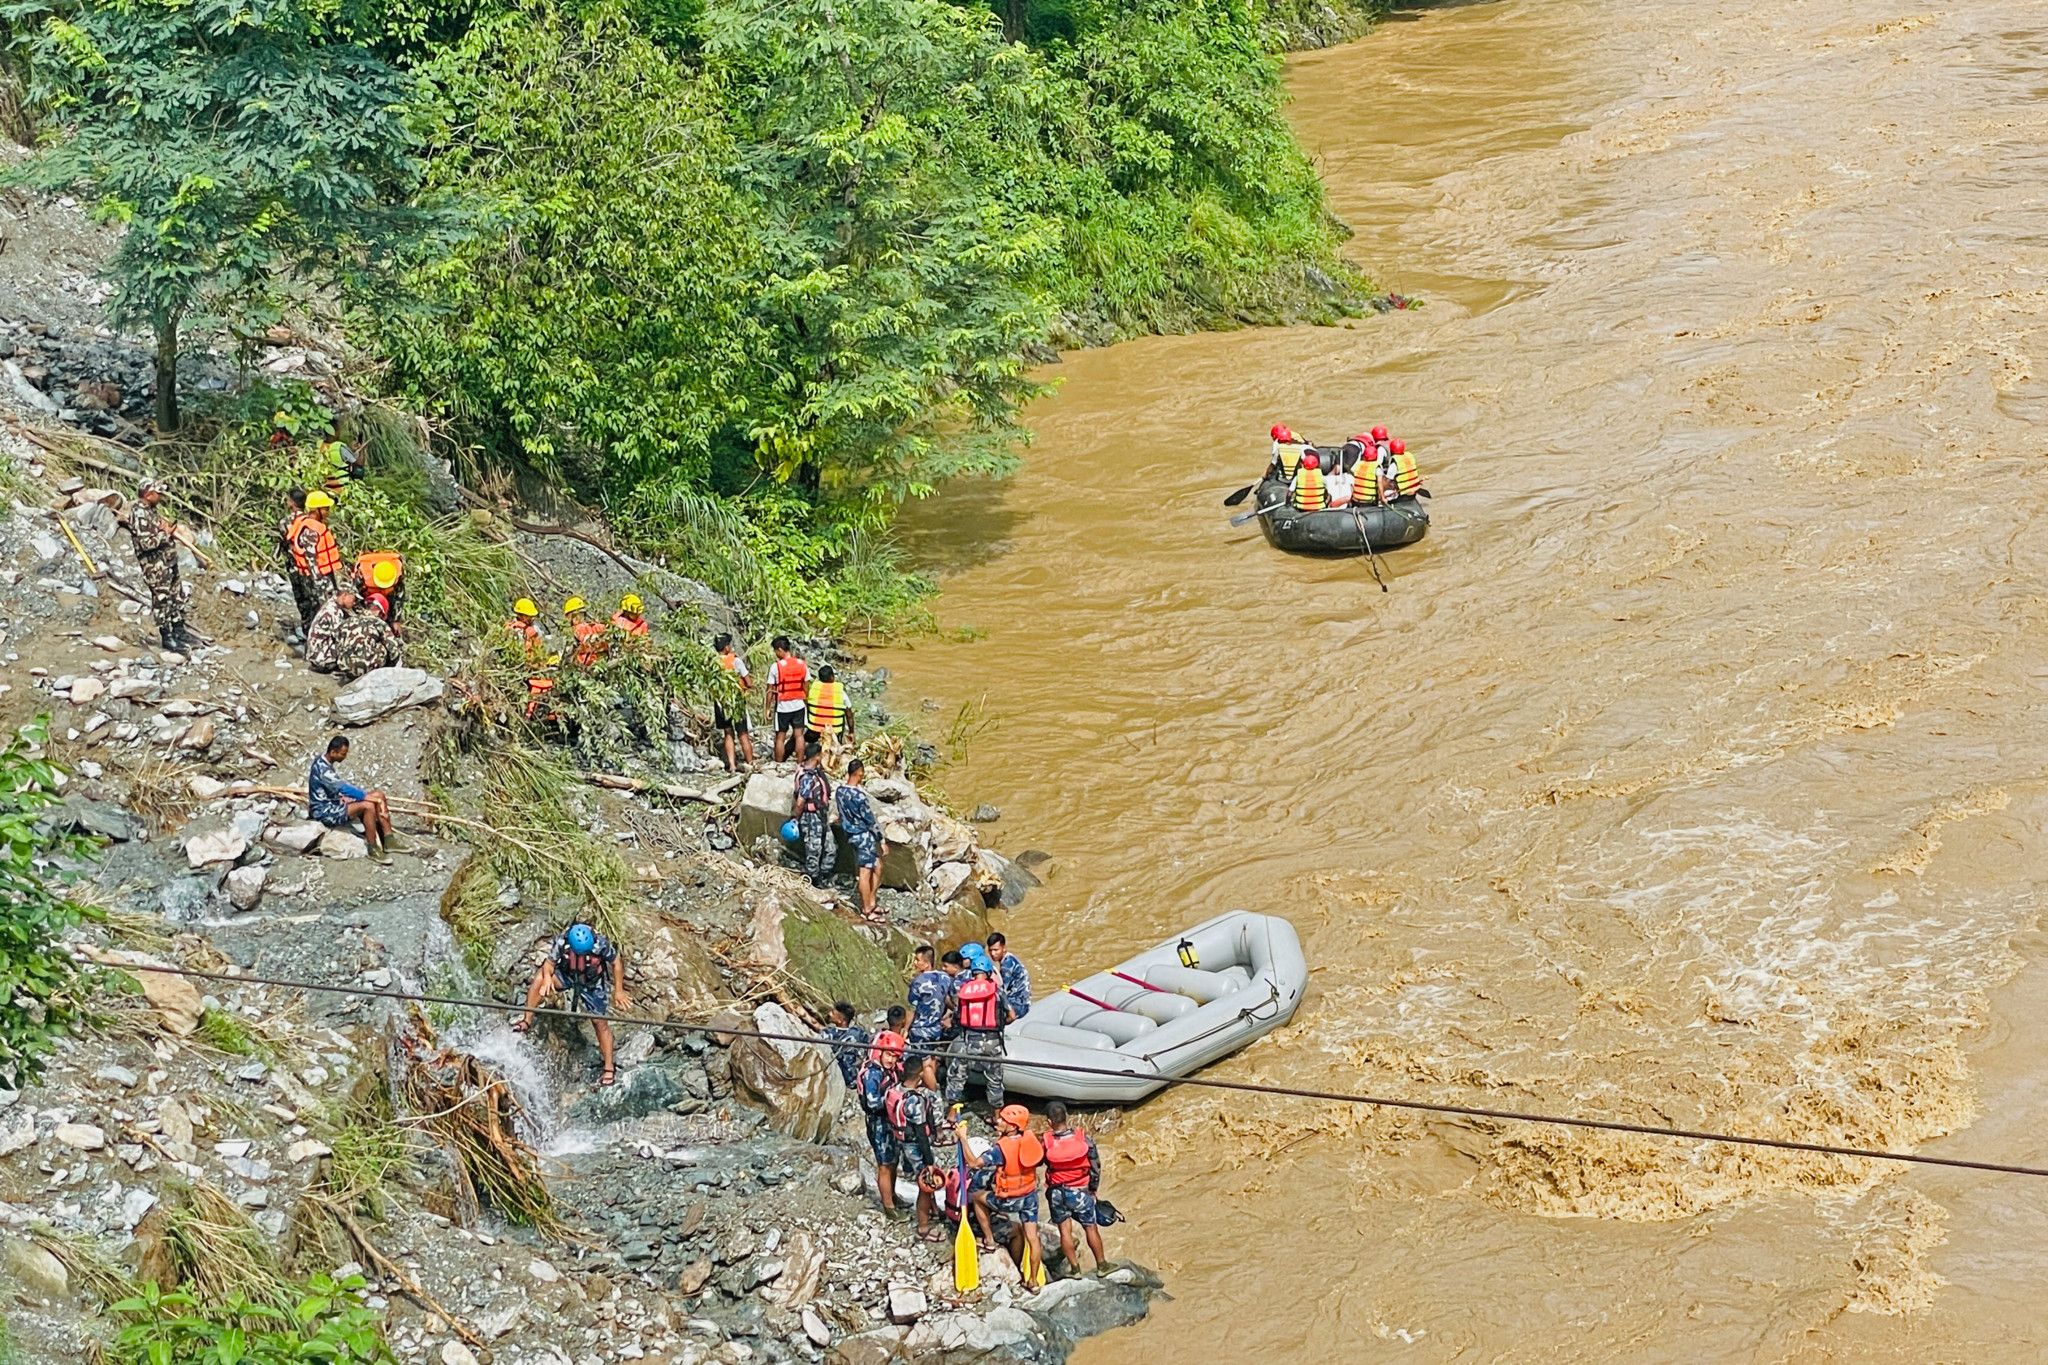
{"x":582,"y":938}
{"x":976,"y":957}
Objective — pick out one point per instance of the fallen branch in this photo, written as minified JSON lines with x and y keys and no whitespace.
{"x":389,"y":1268}
{"x":618,"y":782}
{"x":535,"y":528}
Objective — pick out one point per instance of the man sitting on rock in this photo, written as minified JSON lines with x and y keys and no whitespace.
{"x":584,"y":963}
{"x":348,"y":639}
{"x":337,"y":805}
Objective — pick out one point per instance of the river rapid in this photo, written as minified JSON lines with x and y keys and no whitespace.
{"x":1692,"y":772}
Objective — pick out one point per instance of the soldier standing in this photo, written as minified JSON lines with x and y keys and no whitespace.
{"x":156,"y":551}
{"x":315,"y":555}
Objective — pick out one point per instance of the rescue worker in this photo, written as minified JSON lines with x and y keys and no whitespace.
{"x":337,"y":805}
{"x":789,"y":679}
{"x":523,"y":625}
{"x":849,"y":1041}
{"x":813,"y":817}
{"x":630,"y":620}
{"x":931,"y":1001}
{"x":315,"y":556}
{"x":590,"y":641}
{"x":732,"y":725}
{"x":856,"y":818}
{"x":156,"y":553}
{"x":979,"y":1013}
{"x":584,"y":963}
{"x":880,"y":1083}
{"x":1073,"y":1172}
{"x":1338,"y":486}
{"x":1398,"y":475}
{"x":916,"y":1119}
{"x":1013,"y":1196}
{"x":348,"y":639}
{"x":1308,"y":492}
{"x":1378,"y":445}
{"x":302,"y":586}
{"x":380,"y":581}
{"x":1013,"y":979}
{"x":827,"y":713}
{"x":1287,"y":448}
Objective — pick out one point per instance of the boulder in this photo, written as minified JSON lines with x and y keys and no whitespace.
{"x":906,"y":1303}
{"x":882,"y":1346}
{"x":950,"y":881}
{"x":798,"y":1085}
{"x":220,"y":846}
{"x":1002,"y":879}
{"x":768,"y":801}
{"x":1038,"y":863}
{"x":985,"y":814}
{"x":906,"y":863}
{"x":835,"y":959}
{"x":951,"y":840}
{"x":342,"y":843}
{"x":297,"y":837}
{"x":34,"y":1269}
{"x":245,"y":886}
{"x":92,"y":817}
{"x":175,"y":999}
{"x":1074,"y":1309}
{"x":384,"y":690}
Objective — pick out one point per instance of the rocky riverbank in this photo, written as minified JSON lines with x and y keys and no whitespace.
{"x":710,"y":1206}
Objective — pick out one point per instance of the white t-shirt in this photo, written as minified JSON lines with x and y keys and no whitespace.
{"x":1340,"y":487}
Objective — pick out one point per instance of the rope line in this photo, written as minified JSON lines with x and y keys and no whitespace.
{"x":1198,"y":1082}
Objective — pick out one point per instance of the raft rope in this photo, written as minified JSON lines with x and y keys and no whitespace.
{"x":1199,"y":1082}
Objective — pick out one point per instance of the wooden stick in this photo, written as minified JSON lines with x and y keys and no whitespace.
{"x":619,"y":782}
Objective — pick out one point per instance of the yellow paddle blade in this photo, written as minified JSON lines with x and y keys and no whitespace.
{"x":1034,"y":1265}
{"x":966,"y":1258}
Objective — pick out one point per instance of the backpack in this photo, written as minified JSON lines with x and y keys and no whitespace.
{"x":874,"y":1089}
{"x":893,"y":1106}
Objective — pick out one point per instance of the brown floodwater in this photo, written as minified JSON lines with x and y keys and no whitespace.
{"x":1693,"y":771}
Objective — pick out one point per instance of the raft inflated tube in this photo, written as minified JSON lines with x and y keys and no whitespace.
{"x":1119,"y":1026}
{"x":1194,"y":983}
{"x":1159,"y":1006}
{"x":1064,"y":1036}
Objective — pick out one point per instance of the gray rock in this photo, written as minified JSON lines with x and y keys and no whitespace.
{"x":34,"y":1269}
{"x":92,"y":817}
{"x":985,"y":814}
{"x":182,"y":899}
{"x":84,"y":1136}
{"x":219,"y":846}
{"x":295,"y":837}
{"x":907,"y":1304}
{"x":245,"y":886}
{"x":21,"y":1134}
{"x":384,"y":690}
{"x":117,"y":1075}
{"x":648,"y":1089}
{"x":343,"y":844}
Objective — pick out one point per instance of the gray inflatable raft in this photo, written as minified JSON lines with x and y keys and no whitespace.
{"x":1167,"y":1012}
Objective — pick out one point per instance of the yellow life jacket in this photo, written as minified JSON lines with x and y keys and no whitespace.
{"x":825,"y":707}
{"x":1407,"y":478}
{"x":1310,"y":492}
{"x":1289,"y":455}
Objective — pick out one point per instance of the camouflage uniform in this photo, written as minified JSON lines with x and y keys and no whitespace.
{"x":156,"y":551}
{"x":303,"y":594}
{"x":349,"y":643}
{"x":315,"y":548}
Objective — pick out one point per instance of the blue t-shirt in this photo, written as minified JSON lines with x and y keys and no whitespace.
{"x":327,"y":796}
{"x":930,"y":994}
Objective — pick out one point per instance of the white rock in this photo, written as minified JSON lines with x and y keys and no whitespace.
{"x":905,"y":1303}
{"x":815,"y":1328}
{"x":221,"y":846}
{"x":22,"y":1134}
{"x":306,"y":1149}
{"x":542,"y":1271}
{"x":118,"y":1075}
{"x":135,"y":1206}
{"x":204,"y":787}
{"x":384,"y":690}
{"x":126,"y":688}
{"x":83,"y":1136}
{"x":296,"y":837}
{"x":455,"y":1353}
{"x":342,"y":843}
{"x":33,"y":1268}
{"x":233,"y":1148}
{"x":245,"y":886}
{"x":110,"y":643}
{"x":87,"y":690}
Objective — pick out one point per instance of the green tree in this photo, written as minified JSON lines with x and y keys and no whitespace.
{"x":898,"y":293}
{"x":39,"y":981}
{"x":243,"y":146}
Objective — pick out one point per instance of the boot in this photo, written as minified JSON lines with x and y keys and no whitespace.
{"x":170,"y":640}
{"x":184,"y":642}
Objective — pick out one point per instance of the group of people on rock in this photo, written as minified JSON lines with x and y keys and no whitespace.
{"x":1370,"y":468}
{"x":350,"y":615}
{"x":952,"y":1021}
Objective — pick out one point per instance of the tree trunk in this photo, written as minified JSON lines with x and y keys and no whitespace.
{"x":1013,"y":20}
{"x":167,"y":376}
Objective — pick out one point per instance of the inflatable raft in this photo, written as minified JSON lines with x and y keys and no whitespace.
{"x":1339,"y":530}
{"x":1167,"y":1012}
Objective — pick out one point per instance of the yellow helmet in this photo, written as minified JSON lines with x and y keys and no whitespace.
{"x":316,"y":500}
{"x":574,"y":604}
{"x":525,"y":607}
{"x":630,"y":602}
{"x":384,"y":574}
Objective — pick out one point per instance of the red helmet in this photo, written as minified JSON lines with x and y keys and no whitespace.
{"x":1311,"y":462}
{"x":1281,"y":433}
{"x":1361,"y":438}
{"x":1379,"y":433}
{"x":1398,"y":447}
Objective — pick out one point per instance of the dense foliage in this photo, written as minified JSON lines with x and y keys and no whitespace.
{"x":748,"y":273}
{"x":39,"y":980}
{"x":327,"y":1322}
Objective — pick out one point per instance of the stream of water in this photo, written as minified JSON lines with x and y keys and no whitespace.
{"x":1691,"y":772}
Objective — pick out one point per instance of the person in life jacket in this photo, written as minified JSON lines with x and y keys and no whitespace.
{"x":380,"y":579}
{"x":1399,"y":476}
{"x":523,"y":625}
{"x":1308,"y":493}
{"x":827,"y":713}
{"x":731,"y":725}
{"x":789,"y":682}
{"x":1013,"y":1195}
{"x":630,"y":621}
{"x":590,"y":641}
{"x":584,"y":963}
{"x":1073,"y":1172}
{"x":880,"y":1079}
{"x":979,"y":1013}
{"x":315,"y":556}
{"x":1287,"y":449}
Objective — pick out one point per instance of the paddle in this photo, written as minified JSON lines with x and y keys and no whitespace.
{"x":1240,"y":495}
{"x":1242,"y":517}
{"x":966,"y":1256}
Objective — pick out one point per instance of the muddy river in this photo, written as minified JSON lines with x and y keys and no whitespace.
{"x":1692,"y":772}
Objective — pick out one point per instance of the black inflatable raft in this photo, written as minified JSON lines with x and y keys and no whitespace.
{"x":1339,"y":530}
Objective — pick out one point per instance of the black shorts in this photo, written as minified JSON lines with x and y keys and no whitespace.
{"x":734,"y":725}
{"x":789,"y":720}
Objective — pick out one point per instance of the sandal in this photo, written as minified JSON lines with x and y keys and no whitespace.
{"x":521,"y":1025}
{"x":610,"y":1077}
{"x":933,"y":1235}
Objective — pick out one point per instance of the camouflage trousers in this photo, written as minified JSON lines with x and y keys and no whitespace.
{"x":166,"y":594}
{"x":361,"y":644}
{"x":976,"y":1051}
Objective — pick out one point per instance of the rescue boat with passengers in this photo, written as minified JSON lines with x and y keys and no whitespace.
{"x":1339,"y":530}
{"x":1168,"y":1012}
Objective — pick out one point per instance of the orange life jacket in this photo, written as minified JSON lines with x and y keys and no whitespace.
{"x":589,"y":642}
{"x":323,"y":559}
{"x":1407,"y":478}
{"x":366,"y":567}
{"x":789,"y":677}
{"x":1066,"y":1159}
{"x":1310,"y":495}
{"x":826,"y":705}
{"x":979,"y":997}
{"x":630,"y":626}
{"x":524,"y":631}
{"x":1018,"y":1175}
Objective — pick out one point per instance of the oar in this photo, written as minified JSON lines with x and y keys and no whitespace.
{"x":1240,"y":495}
{"x":966,"y":1257}
{"x":1242,"y":517}
{"x":1370,"y":558}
